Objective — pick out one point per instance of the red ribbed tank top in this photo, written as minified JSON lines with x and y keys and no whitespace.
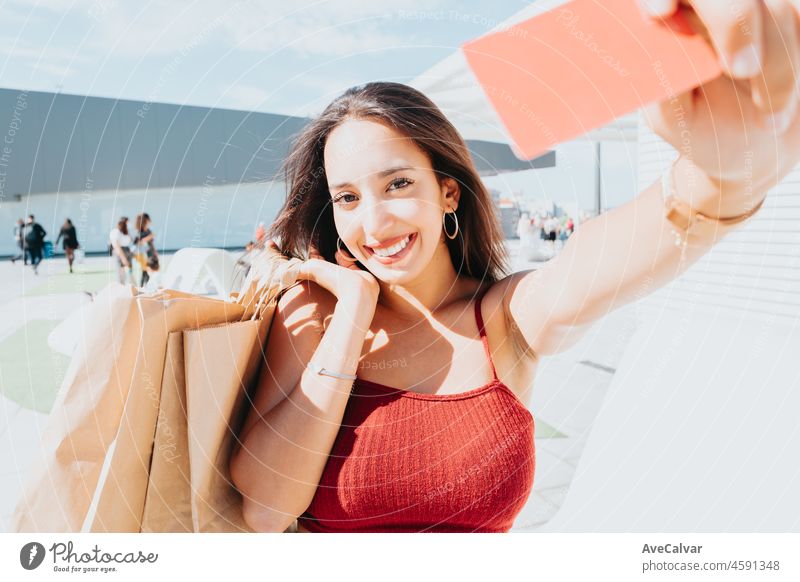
{"x":404,"y":461}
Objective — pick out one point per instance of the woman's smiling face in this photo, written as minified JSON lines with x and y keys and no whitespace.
{"x":387,"y":200}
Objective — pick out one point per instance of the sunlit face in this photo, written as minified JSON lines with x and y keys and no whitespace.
{"x":387,"y":201}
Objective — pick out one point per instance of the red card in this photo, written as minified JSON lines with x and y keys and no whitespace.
{"x":579,"y":66}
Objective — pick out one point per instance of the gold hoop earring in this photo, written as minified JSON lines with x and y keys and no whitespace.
{"x":444,"y":225}
{"x":345,"y":257}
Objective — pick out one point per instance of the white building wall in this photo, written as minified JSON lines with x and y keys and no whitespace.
{"x":201,"y":216}
{"x":755,"y":271}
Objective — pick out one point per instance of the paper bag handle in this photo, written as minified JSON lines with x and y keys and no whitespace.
{"x":270,"y":274}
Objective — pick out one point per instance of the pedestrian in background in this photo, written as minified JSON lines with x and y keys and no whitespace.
{"x":19,"y":240}
{"x":70,"y":243}
{"x":121,"y":242}
{"x":34,"y":242}
{"x":146,"y":247}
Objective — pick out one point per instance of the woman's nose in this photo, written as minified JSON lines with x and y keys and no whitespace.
{"x":376,"y":217}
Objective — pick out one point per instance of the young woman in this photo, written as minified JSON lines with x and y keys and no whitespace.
{"x":120,"y":241}
{"x":145,"y":241}
{"x":70,"y":243}
{"x":397,"y":372}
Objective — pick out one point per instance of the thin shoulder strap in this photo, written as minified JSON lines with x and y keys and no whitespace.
{"x":482,"y":330}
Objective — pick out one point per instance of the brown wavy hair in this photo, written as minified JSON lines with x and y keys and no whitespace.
{"x":307,"y":216}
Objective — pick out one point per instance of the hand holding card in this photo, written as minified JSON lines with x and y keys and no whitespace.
{"x":579,"y":66}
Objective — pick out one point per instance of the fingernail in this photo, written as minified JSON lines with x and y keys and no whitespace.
{"x":657,"y":7}
{"x":780,"y":122}
{"x":747,"y":62}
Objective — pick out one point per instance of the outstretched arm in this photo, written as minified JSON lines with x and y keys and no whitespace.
{"x":614,"y":259}
{"x":738,"y":134}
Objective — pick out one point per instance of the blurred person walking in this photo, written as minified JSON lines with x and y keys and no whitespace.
{"x":34,"y":241}
{"x":19,"y":239}
{"x":121,"y":242}
{"x":70,"y":243}
{"x":551,"y":228}
{"x":524,"y":228}
{"x":146,"y":246}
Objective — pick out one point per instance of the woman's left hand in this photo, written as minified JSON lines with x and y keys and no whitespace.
{"x":740,"y":129}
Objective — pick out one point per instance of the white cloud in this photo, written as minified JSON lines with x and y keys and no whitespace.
{"x":53,"y":61}
{"x":247,"y":97}
{"x":163,"y":43}
{"x":307,"y":27}
{"x":323,"y":28}
{"x":324,"y":89}
{"x":54,"y":70}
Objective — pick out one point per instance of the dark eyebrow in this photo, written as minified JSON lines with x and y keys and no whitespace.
{"x":382,"y":174}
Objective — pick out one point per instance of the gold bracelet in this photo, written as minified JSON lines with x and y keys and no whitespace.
{"x":683,"y":217}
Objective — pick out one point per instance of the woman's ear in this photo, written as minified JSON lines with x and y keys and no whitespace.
{"x":451,"y":193}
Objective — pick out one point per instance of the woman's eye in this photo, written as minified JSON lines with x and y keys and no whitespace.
{"x":342,"y":198}
{"x":396,"y":184}
{"x":400,"y":183}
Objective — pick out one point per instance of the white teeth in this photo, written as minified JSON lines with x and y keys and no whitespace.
{"x":394,"y":249}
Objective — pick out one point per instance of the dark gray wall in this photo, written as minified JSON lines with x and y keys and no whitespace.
{"x":64,"y":141}
{"x":71,"y":143}
{"x":496,"y":158}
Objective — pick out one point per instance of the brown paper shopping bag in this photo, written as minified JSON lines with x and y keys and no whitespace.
{"x":167,"y":506}
{"x":221,"y":373}
{"x":96,"y":469}
{"x":120,"y":499}
{"x":207,"y":384}
{"x":96,"y":446}
{"x":84,"y":419}
{"x":202,"y":422}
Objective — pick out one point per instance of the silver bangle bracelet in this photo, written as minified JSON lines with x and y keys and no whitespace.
{"x":323,"y":372}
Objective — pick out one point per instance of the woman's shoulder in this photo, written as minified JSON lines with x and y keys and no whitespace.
{"x":493,"y":292}
{"x":495,"y":306}
{"x":513,"y":369}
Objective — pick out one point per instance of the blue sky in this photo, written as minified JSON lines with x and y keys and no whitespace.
{"x":263,"y":55}
{"x":258,"y":55}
